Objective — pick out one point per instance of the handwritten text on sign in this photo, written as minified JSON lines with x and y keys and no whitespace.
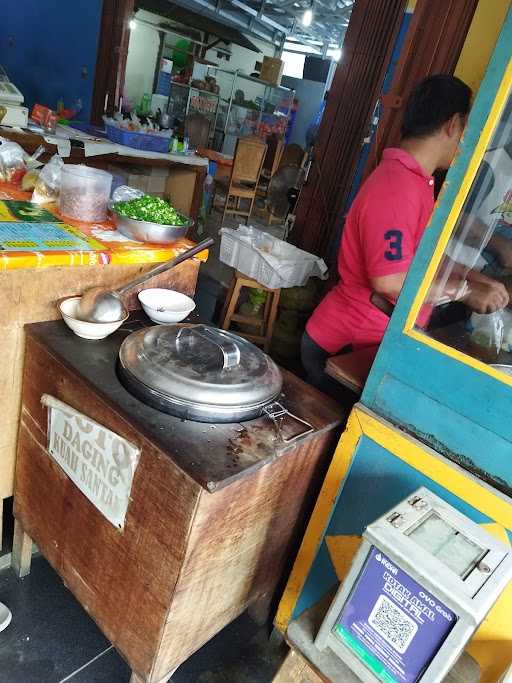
{"x":98,"y":461}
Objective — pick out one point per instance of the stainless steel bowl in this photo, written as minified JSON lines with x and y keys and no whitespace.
{"x":144,"y":231}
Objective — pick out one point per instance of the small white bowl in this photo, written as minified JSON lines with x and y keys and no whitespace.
{"x":81,"y":328}
{"x":165,"y":305}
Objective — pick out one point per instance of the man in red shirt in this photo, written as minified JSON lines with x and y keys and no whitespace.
{"x":384,"y":227}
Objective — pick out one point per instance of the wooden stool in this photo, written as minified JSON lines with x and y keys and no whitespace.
{"x":265,"y":325}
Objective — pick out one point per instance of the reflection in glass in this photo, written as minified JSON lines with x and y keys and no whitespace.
{"x":465,"y":304}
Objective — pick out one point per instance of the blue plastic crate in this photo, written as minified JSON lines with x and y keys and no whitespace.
{"x":144,"y":141}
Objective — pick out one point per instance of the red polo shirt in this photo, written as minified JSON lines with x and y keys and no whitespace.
{"x":382,"y":232}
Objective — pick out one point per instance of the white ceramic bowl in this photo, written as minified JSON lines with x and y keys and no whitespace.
{"x":81,"y":328}
{"x":165,"y":305}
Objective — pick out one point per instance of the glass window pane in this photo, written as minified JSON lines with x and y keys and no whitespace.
{"x":447,"y":544}
{"x":468,"y":305}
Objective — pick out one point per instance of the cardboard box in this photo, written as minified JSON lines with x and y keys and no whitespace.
{"x":151,"y":180}
{"x":272,"y":70}
{"x":156,"y":184}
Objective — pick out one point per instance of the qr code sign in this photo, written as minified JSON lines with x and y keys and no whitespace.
{"x":393,"y":624}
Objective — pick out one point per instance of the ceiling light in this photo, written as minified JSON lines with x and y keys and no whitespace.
{"x":132,"y":24}
{"x":336,"y":55}
{"x":307,"y":17}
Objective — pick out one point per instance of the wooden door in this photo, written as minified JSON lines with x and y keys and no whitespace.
{"x":112,"y":55}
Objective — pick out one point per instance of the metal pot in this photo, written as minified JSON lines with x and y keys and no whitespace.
{"x":201,"y":373}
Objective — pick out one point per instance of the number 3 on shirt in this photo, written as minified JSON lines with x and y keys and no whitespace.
{"x":394,"y":239}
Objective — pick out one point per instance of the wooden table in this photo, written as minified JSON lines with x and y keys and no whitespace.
{"x":216,"y":512}
{"x":31,"y":284}
{"x":217,"y":157}
{"x":352,"y":369}
{"x":186,"y":180}
{"x":224,"y":162}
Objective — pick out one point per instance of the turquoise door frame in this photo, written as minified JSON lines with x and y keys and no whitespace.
{"x":451,"y":403}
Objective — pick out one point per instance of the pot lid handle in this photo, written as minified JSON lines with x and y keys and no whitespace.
{"x":228,"y":348}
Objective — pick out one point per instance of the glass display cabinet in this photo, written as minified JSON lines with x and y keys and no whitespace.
{"x":242,"y":106}
{"x":257,"y":108}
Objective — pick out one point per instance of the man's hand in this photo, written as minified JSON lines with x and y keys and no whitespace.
{"x":486,"y":296}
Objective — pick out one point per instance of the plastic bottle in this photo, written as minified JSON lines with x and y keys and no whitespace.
{"x":208,"y":189}
{"x":145,"y":104}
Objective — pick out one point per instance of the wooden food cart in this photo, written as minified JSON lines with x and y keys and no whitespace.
{"x":432,"y":414}
{"x":214,"y":514}
{"x":31,"y":284}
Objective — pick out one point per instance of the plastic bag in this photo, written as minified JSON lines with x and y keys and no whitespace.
{"x":47,"y":187}
{"x":13,"y":162}
{"x":123,"y":193}
{"x":506,"y":343}
{"x":487,"y":334}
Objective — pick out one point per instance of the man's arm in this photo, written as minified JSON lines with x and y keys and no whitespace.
{"x":502,"y":248}
{"x":483,"y":294}
{"x":388,"y":286}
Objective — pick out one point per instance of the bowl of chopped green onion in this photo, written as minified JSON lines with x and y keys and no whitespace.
{"x":150,"y":219}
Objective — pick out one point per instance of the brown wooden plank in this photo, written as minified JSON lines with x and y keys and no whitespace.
{"x":242,"y":542}
{"x":21,"y":551}
{"x":352,"y":369}
{"x":295,"y":669}
{"x":112,"y":54}
{"x":125,"y":579}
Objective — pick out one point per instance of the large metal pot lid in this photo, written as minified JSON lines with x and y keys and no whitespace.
{"x":201,"y":366}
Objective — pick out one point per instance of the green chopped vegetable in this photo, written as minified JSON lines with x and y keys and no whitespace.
{"x":152,"y":209}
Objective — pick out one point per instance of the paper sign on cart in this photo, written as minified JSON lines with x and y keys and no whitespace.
{"x":99,"y":462}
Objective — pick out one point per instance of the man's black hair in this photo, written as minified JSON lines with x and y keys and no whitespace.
{"x":432,"y":103}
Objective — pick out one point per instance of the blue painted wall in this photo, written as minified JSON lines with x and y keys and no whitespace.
{"x":44,"y":46}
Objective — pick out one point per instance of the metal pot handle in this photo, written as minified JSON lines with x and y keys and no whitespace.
{"x":228,"y":348}
{"x":277,"y":412}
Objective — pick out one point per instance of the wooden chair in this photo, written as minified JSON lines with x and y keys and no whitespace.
{"x":197,"y":128}
{"x":264,"y":327}
{"x":293,"y":155}
{"x":271,"y":163}
{"x":245,"y":175}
